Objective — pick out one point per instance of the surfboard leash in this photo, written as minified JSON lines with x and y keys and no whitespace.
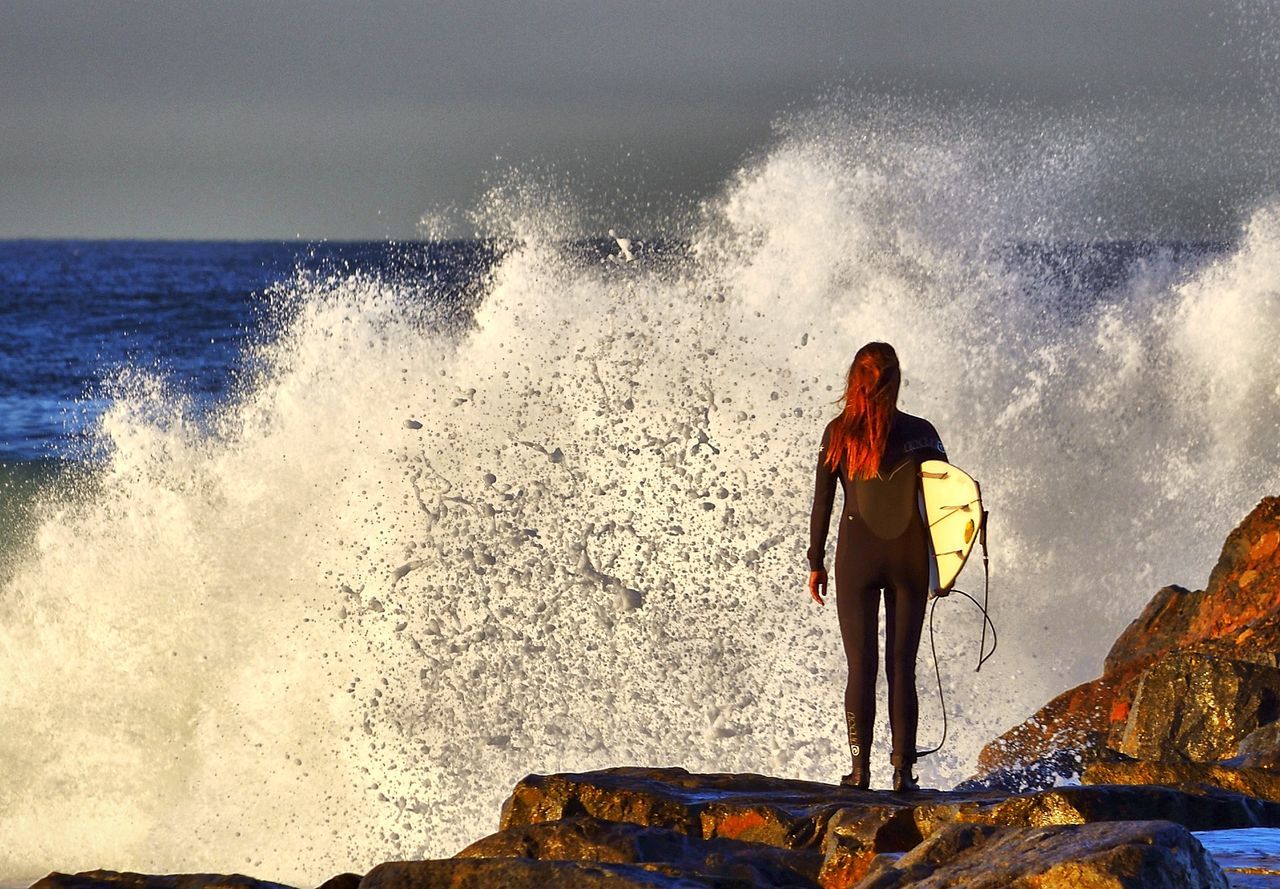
{"x":937,"y":671}
{"x":986,"y":591}
{"x":983,"y":654}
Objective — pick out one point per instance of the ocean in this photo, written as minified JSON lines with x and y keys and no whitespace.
{"x":310,"y":551}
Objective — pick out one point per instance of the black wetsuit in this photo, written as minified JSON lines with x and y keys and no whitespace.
{"x":883,"y":545}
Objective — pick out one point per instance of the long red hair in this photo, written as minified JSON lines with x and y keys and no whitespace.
{"x":870,"y":400}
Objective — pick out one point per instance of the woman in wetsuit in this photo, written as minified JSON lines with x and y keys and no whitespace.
{"x":875,"y":450}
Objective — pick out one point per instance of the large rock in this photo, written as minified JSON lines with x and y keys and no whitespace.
{"x":1095,"y":804}
{"x":1236,"y":617}
{"x":801,"y":814}
{"x":342,"y":881}
{"x":1059,"y":740}
{"x":602,"y":815}
{"x":1242,"y":596}
{"x":855,"y":836}
{"x":108,"y":879}
{"x":947,"y":846}
{"x":752,"y":808}
{"x":1198,"y":708}
{"x":1193,"y":777}
{"x":1160,"y":628}
{"x":584,"y":838}
{"x":1260,"y":748}
{"x":1244,"y":586}
{"x":1150,"y":855}
{"x":524,"y":873}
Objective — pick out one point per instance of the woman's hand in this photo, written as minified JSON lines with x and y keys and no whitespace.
{"x":818,"y":586}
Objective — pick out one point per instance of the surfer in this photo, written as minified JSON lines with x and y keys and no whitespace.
{"x":875,"y":450}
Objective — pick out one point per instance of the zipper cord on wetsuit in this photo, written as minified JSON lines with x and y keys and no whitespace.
{"x":983,"y":654}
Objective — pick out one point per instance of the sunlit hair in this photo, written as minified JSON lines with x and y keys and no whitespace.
{"x":870,"y":399}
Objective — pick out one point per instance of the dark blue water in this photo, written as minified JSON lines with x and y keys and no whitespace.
{"x":76,"y":313}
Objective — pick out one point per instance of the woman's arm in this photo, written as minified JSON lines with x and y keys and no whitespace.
{"x":824,"y":494}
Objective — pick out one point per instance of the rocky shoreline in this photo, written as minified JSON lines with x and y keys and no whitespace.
{"x":1181,"y":733}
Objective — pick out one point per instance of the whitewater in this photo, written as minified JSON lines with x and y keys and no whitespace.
{"x":295,"y":635}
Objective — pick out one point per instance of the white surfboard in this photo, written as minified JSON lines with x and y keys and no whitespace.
{"x":952,"y":509}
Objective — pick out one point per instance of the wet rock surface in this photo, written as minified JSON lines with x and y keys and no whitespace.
{"x":106,"y":879}
{"x":584,"y":838}
{"x":1260,"y":748}
{"x":1157,"y":630}
{"x":1189,"y":679}
{"x":1193,"y":777}
{"x":1196,"y":707}
{"x":800,"y":814}
{"x":751,"y":808}
{"x":1189,"y":698}
{"x":1058,"y":740}
{"x":1120,"y":854}
{"x":851,"y":830}
{"x":342,"y":881}
{"x":525,"y":873}
{"x":632,"y":827}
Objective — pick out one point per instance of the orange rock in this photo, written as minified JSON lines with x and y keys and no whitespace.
{"x":846,"y":872}
{"x":586,"y":839}
{"x":1196,"y":707}
{"x":1125,"y":853}
{"x":1265,"y":546}
{"x":1236,"y":615}
{"x":746,"y":825}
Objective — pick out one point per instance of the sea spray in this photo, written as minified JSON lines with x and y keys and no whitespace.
{"x":298,"y":635}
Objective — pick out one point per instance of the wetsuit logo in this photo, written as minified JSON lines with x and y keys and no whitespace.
{"x":923,"y":444}
{"x":851,"y":724}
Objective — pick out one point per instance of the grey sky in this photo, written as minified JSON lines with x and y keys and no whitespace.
{"x":336,"y":119}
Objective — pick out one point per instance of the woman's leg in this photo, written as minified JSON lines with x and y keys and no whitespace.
{"x":858,"y":604}
{"x":904,"y":607}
